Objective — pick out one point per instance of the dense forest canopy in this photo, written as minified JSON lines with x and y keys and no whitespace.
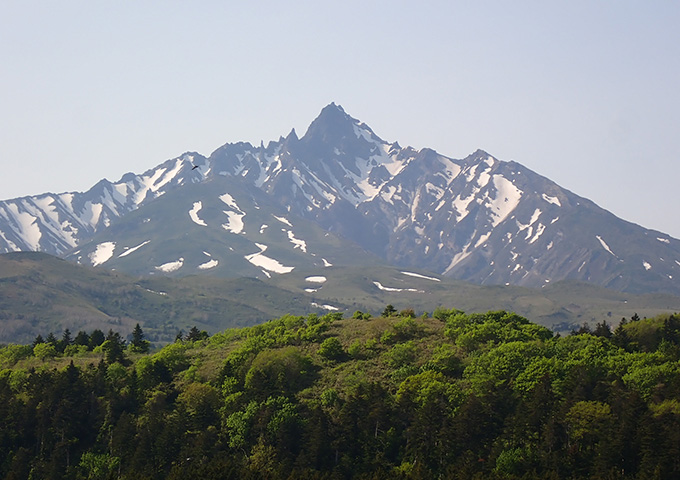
{"x":446,"y":395}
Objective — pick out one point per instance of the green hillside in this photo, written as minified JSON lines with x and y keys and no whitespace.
{"x":40,"y":294}
{"x":451,"y":395}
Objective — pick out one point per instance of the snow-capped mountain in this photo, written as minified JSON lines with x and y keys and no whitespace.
{"x":342,"y":195}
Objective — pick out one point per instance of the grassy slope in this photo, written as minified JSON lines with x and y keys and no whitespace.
{"x":41,"y":294}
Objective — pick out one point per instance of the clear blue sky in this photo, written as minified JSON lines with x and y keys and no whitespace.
{"x":583,"y":92}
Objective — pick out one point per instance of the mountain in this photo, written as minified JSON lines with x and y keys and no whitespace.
{"x":340,"y":195}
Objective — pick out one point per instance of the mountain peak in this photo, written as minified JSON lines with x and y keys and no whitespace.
{"x":332,"y":116}
{"x":334,"y":127}
{"x":332,"y":107}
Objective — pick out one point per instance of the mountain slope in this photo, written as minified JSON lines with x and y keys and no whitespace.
{"x":40,"y":293}
{"x":341,"y":195}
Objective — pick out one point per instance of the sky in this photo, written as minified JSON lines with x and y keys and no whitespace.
{"x":585,"y":93}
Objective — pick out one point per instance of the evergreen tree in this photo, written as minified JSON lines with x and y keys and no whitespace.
{"x":82,"y":338}
{"x":51,"y":339}
{"x":66,"y":340}
{"x":113,"y":347}
{"x":138,"y":343}
{"x":96,"y":338}
{"x":195,"y":334}
{"x":603,"y":330}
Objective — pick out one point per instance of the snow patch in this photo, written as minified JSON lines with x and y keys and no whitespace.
{"x":553,"y":200}
{"x":208,"y":265}
{"x":283,"y":220}
{"x":91,"y":213}
{"x":154,"y":291}
{"x":128,"y":251}
{"x":390,"y":289}
{"x":664,"y":240}
{"x":325,"y":307}
{"x":539,"y":231}
{"x":417,"y":275}
{"x":29,"y":230}
{"x":646,"y":265}
{"x":326,"y":263}
{"x":604,"y":245}
{"x":534,"y":217}
{"x":171,"y":266}
{"x":103,"y":252}
{"x":297,"y":243}
{"x":193,"y":213}
{"x":234,"y":222}
{"x":229,"y":200}
{"x":316,"y":279}
{"x":507,"y":198}
{"x":459,"y":257}
{"x":267,"y":263}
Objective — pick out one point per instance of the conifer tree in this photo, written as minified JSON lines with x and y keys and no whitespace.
{"x":138,"y":343}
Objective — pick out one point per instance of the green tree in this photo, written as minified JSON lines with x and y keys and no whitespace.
{"x":113,"y":348}
{"x":44,"y":351}
{"x":96,"y":338}
{"x":331,"y":349}
{"x":98,"y":466}
{"x":195,"y":335}
{"x":51,"y":339}
{"x":138,"y":343}
{"x":66,"y":340}
{"x":275,"y":372}
{"x":82,"y":338}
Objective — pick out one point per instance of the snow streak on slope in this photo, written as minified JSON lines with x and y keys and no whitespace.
{"x":133,"y":249}
{"x":26,"y":226}
{"x":193,"y":213}
{"x":604,"y":245}
{"x":506,"y":200}
{"x":267,"y":263}
{"x":297,"y":243}
{"x":553,"y":200}
{"x":283,"y":220}
{"x":235,"y":215}
{"x":411,"y":274}
{"x":393,"y":289}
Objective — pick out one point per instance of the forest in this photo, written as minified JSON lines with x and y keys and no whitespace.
{"x":401,"y":396}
